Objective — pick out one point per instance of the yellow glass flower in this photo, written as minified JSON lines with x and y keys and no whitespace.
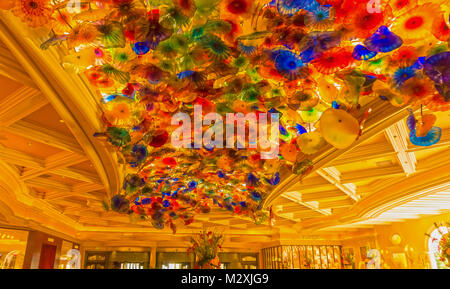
{"x":417,"y":22}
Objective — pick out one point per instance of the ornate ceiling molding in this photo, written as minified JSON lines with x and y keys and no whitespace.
{"x":20,"y":208}
{"x":413,"y":187}
{"x":70,"y":96}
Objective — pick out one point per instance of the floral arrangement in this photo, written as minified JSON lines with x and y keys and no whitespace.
{"x":315,"y":63}
{"x":444,"y":247}
{"x":205,"y":246}
{"x":348,"y":259}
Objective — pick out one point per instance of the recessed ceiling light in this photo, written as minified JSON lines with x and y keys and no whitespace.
{"x":61,"y":121}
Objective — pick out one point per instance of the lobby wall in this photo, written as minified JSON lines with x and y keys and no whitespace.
{"x":411,"y":251}
{"x":33,"y":253}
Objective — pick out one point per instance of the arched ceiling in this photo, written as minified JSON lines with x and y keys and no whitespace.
{"x":48,"y":117}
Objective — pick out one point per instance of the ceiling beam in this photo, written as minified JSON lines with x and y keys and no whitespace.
{"x":318,"y":196}
{"x":20,"y":158}
{"x":87,"y":188}
{"x":48,"y":184}
{"x":10,"y":67}
{"x":364,"y":153}
{"x":55,"y":195}
{"x":371,"y":174}
{"x":54,"y":163}
{"x":397,"y":136}
{"x":24,"y":101}
{"x":40,"y":134}
{"x":335,"y":203}
{"x":77,"y":174}
{"x":332,"y":175}
{"x":313,"y":205}
{"x":381,"y":150}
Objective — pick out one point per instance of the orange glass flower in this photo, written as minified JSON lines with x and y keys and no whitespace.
{"x":364,"y":23}
{"x":82,"y":34}
{"x":187,"y":7}
{"x":6,"y":4}
{"x":417,"y":88}
{"x":404,"y":56}
{"x":35,"y":13}
{"x":434,"y":102}
{"x":236,"y":7}
{"x":121,"y":111}
{"x":333,"y":60}
{"x":440,"y":29}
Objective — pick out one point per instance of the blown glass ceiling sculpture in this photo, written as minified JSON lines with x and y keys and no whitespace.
{"x":312,"y":62}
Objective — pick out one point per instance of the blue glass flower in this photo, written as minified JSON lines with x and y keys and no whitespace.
{"x":275,"y":179}
{"x":146,"y":201}
{"x":192,"y":185}
{"x":403,"y":74}
{"x":185,"y":74}
{"x":300,"y":129}
{"x":255,"y":196}
{"x":120,"y":204}
{"x":383,"y":40}
{"x":166,"y":203}
{"x":290,"y":7}
{"x":138,"y":154}
{"x":141,"y":48}
{"x":288,"y":64}
{"x":252,"y":180}
{"x":362,"y":53}
{"x":283,"y":131}
{"x":432,"y":137}
{"x":246,"y":49}
{"x":334,"y":104}
{"x":317,"y":14}
{"x":418,"y":65}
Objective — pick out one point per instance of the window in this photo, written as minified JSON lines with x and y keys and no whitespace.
{"x":433,"y":245}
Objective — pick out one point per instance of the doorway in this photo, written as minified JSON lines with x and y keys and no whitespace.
{"x":47,"y":260}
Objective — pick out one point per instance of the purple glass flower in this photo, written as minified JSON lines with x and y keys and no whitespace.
{"x":437,"y":67}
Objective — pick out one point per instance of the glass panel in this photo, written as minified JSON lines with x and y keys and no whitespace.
{"x":296,"y":257}
{"x":330,"y":256}
{"x":13,"y":244}
{"x":316,"y":251}
{"x":301,"y":257}
{"x":323,"y":257}
{"x":337,"y":256}
{"x":310,"y":258}
{"x":164,"y":259}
